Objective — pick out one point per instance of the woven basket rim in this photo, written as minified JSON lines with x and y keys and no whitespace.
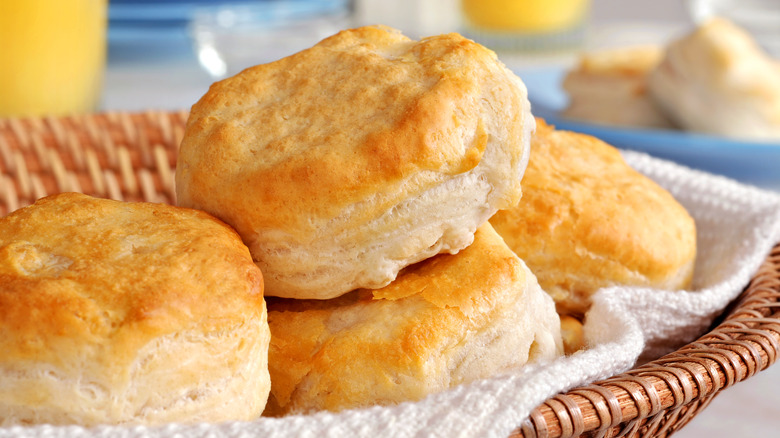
{"x":661,"y":396}
{"x":132,"y":156}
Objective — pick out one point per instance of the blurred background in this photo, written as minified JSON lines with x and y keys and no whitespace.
{"x":186,"y":44}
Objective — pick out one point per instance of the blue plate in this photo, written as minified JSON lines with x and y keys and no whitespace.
{"x":756,"y":163}
{"x":151,"y":29}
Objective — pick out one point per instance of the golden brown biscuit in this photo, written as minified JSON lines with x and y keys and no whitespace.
{"x":610,"y":87}
{"x":718,"y":80}
{"x":587,"y":220}
{"x":137,"y":313}
{"x":447,"y":320}
{"x":343,"y":163}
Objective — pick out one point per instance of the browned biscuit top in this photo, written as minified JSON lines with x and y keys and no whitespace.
{"x":95,"y":279}
{"x":365,"y":111}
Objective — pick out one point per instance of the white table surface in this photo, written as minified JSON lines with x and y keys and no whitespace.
{"x":750,"y":408}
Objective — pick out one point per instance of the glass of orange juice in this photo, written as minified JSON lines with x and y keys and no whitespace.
{"x":526,"y":24}
{"x":52,"y":56}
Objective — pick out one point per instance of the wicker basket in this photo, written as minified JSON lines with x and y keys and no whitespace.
{"x":132,"y":157}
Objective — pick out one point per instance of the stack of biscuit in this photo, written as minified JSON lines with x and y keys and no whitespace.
{"x":361,"y":173}
{"x":355,"y":180}
{"x":333,"y":248}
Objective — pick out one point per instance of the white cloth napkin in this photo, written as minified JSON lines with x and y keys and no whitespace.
{"x":737,"y":227}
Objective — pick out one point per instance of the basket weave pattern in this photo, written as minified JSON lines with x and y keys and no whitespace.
{"x":120,"y":156}
{"x":132,"y":156}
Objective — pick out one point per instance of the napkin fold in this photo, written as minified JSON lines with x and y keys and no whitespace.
{"x":737,"y":226}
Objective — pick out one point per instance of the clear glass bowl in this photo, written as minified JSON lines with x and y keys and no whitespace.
{"x":230,"y":38}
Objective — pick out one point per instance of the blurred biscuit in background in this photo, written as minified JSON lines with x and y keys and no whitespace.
{"x":717,"y":80}
{"x":609,"y":86}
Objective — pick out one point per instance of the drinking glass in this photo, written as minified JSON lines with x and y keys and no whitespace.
{"x":533,"y":25}
{"x":52,"y":56}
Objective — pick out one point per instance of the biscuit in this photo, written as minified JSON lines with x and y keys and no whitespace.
{"x":127,"y":313}
{"x":609,"y":86}
{"x":588,"y":220}
{"x":345,"y":162}
{"x":717,"y":80}
{"x":448,"y":320}
{"x":572,"y":333}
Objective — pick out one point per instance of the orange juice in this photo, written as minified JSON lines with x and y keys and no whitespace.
{"x":525,"y":15}
{"x":52,"y":56}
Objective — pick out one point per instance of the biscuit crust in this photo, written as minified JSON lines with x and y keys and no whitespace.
{"x":114,"y":313}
